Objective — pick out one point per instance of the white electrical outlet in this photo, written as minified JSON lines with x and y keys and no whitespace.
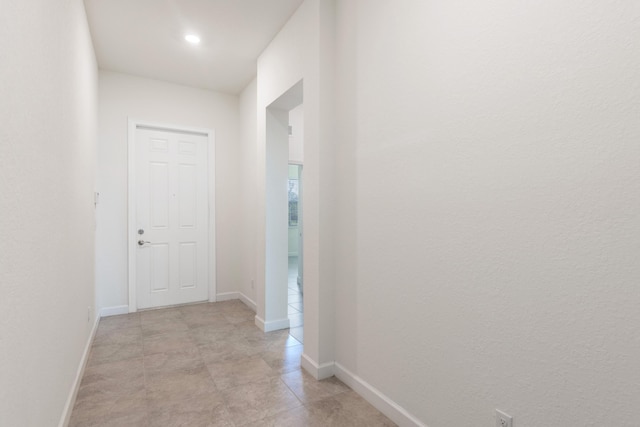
{"x":89,"y":314}
{"x":252,"y":285}
{"x":503,"y":420}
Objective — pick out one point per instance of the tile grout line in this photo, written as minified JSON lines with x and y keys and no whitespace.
{"x":144,"y":374}
{"x":222,"y":396}
{"x":292,"y":392}
{"x":285,"y":370}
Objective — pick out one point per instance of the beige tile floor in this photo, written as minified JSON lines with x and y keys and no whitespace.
{"x":207,"y":365}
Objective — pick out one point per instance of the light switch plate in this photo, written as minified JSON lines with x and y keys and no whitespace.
{"x":503,"y":420}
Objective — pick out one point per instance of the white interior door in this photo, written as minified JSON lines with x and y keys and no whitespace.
{"x":171,"y":217}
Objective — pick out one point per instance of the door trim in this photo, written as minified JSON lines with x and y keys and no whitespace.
{"x":134,"y":124}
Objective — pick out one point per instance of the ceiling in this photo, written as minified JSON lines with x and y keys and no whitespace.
{"x":146,"y":38}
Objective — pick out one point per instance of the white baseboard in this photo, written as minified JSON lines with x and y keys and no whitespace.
{"x":382,"y":403}
{"x":248,"y":302}
{"x":227,"y":296}
{"x":71,"y":400}
{"x":273,"y":325}
{"x":259,"y":322}
{"x":319,"y":372}
{"x":114,"y":311}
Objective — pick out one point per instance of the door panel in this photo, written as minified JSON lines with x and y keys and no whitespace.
{"x":159,"y":195}
{"x":172,"y":209}
{"x":188,"y":264}
{"x":159,"y":267}
{"x":187,"y":197}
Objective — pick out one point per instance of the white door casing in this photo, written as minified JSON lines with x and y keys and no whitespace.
{"x":169,"y":201}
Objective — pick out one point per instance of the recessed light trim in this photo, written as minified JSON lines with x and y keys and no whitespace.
{"x":192,"y":38}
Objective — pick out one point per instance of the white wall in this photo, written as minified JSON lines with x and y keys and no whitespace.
{"x":345,"y":170}
{"x":248,"y":117}
{"x":123,"y":96}
{"x":296,"y":139}
{"x":48,"y":89}
{"x":497,"y":208}
{"x":277,"y":156}
{"x":301,"y":52}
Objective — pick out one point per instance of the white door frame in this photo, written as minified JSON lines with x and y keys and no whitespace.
{"x":132,"y":235}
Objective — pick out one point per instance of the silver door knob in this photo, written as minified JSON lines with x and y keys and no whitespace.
{"x":142,"y":242}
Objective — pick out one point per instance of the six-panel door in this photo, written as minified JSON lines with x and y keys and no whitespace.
{"x":172,"y":209}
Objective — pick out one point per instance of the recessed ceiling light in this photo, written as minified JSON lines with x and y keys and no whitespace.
{"x":192,"y":38}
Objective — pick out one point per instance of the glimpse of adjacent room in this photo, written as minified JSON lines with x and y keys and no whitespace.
{"x":295,"y":238}
{"x":295,"y":301}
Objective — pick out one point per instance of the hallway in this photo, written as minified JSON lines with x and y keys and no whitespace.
{"x":207,"y":365}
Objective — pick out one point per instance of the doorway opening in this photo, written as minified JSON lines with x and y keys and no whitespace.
{"x":295,"y":289}
{"x":284,"y":255}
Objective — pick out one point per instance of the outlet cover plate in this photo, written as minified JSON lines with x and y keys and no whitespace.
{"x":503,"y":420}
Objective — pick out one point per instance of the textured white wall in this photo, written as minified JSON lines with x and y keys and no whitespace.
{"x":248,"y":118}
{"x":345,"y":171}
{"x":296,"y":139}
{"x":123,"y":96}
{"x":298,"y":53}
{"x":277,"y":238}
{"x":48,"y":90}
{"x":497,"y":208}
